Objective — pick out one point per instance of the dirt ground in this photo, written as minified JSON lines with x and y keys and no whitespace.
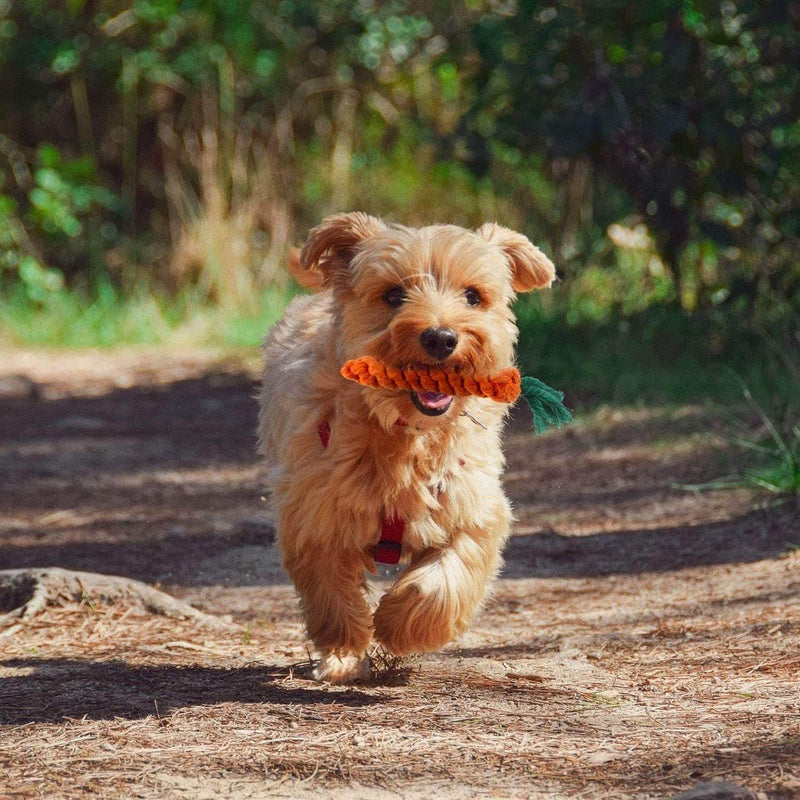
{"x":642,"y":640}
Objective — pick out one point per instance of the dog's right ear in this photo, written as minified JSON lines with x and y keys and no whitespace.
{"x":332,"y":244}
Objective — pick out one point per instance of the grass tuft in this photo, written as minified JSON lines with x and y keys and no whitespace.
{"x":104,"y":317}
{"x":776,"y":451}
{"x":781,"y":472}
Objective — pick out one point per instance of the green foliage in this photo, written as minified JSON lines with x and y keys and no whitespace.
{"x":690,"y":108}
{"x":64,"y":191}
{"x":61,"y":197}
{"x":139,"y":99}
{"x":656,"y":356}
{"x":17,"y":256}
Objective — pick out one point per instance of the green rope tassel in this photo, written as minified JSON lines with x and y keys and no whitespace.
{"x":546,"y":404}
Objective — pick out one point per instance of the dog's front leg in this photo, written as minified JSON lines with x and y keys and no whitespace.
{"x":331,"y":586}
{"x":437,"y":597}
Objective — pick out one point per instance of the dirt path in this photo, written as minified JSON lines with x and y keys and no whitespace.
{"x":642,"y":640}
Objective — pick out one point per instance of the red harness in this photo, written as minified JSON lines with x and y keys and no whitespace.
{"x":390,"y":546}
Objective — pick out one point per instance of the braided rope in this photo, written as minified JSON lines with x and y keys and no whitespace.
{"x":504,"y":387}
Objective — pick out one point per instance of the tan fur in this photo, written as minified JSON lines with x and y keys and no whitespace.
{"x":307,"y":278}
{"x":441,"y":474}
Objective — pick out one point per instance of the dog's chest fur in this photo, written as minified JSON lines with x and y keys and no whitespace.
{"x":440,"y":482}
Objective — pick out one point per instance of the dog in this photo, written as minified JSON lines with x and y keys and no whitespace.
{"x":347,"y":463}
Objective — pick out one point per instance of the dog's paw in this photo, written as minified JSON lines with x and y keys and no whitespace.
{"x":408,"y":621}
{"x":349,"y":669}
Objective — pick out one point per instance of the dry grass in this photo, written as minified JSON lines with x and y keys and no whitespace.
{"x":609,"y":699}
{"x":229,"y":226}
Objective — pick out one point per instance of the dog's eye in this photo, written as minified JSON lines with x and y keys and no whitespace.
{"x":394,"y":297}
{"x":472,"y":296}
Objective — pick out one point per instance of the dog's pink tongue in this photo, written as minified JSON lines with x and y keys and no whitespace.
{"x":434,"y":400}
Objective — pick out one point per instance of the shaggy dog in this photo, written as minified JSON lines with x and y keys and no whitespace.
{"x":347,"y":461}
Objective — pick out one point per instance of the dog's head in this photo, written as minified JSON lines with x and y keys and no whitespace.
{"x":435,"y":296}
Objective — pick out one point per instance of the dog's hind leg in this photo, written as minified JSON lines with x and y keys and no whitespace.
{"x":437,"y":597}
{"x":331,"y":586}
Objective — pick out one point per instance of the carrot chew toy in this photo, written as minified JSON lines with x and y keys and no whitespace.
{"x":505,"y":386}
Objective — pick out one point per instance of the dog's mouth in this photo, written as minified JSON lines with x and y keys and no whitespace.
{"x":432,"y":404}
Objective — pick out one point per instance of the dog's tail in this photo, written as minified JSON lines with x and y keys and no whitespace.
{"x":308,"y":278}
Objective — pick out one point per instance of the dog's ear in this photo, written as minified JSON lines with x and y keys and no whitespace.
{"x":310,"y":279}
{"x":331,"y":245}
{"x":530,"y":267}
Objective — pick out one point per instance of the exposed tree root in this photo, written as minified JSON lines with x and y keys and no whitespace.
{"x":25,"y":593}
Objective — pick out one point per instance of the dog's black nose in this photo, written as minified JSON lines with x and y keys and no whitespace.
{"x":439,"y":342}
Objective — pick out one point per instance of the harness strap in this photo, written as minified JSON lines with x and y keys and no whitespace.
{"x":389,"y":548}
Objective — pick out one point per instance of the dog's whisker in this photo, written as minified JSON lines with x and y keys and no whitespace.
{"x":476,"y":421}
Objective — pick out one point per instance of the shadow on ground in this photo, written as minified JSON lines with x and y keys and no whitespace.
{"x":252,"y":560}
{"x":752,"y":537}
{"x":157,"y":483}
{"x":57,"y":689}
{"x":197,"y":422}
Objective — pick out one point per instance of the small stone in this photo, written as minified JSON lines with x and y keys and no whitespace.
{"x":716,"y":790}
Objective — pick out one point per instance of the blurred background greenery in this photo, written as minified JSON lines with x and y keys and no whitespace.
{"x":158,"y":158}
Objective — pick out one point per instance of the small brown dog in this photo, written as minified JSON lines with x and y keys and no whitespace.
{"x":351,"y":465}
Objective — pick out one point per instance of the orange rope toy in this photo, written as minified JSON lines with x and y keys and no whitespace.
{"x":504,"y":387}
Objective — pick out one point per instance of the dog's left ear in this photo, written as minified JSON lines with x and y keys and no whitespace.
{"x":331,"y":245}
{"x":530,"y":267}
